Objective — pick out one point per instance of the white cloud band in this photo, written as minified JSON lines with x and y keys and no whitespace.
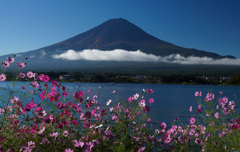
{"x":114,"y":55}
{"x":123,"y":55}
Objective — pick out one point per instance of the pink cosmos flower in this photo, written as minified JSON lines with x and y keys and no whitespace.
{"x":142,"y":103}
{"x":141,"y":149}
{"x":9,"y":108}
{"x":41,"y":77}
{"x":149,"y":120}
{"x":30,"y":74}
{"x":23,"y":87}
{"x":221,"y":93}
{"x":21,"y":65}
{"x":10,"y":60}
{"x":81,"y":144}
{"x":93,"y":111}
{"x":192,"y":120}
{"x":209,"y":97}
{"x":42,"y":130}
{"x":65,"y":93}
{"x":130,"y":99}
{"x":34,"y":84}
{"x":14,"y":100}
{"x":192,"y":132}
{"x":6,"y":64}
{"x":168,"y":139}
{"x":31,"y":144}
{"x":68,"y":150}
{"x":226,"y":111}
{"x":22,"y":75}
{"x":190,"y":109}
{"x":55,"y":134}
{"x":163,"y":125}
{"x":225,"y":100}
{"x":78,"y":143}
{"x":198,"y":93}
{"x":90,"y":91}
{"x":46,"y":78}
{"x":54,"y":83}
{"x":220,"y":101}
{"x":65,"y":133}
{"x":232,"y":104}
{"x":2,"y":77}
{"x":151,"y":100}
{"x":1,"y":111}
{"x":216,"y":115}
{"x":114,"y":118}
{"x":198,"y":141}
{"x":196,"y":135}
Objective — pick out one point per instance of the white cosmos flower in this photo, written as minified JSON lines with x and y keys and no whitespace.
{"x":142,"y":103}
{"x":109,"y":101}
{"x":136,"y":96}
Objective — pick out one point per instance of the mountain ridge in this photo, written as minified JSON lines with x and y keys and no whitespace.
{"x":110,"y":35}
{"x":122,"y":34}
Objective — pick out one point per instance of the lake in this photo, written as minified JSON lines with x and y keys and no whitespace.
{"x":170,"y":100}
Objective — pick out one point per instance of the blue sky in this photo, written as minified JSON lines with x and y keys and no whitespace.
{"x":210,"y":25}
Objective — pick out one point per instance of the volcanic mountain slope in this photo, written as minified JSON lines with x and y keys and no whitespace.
{"x":121,"y":34}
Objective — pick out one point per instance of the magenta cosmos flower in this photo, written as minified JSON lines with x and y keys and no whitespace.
{"x":149,"y":91}
{"x":151,"y":100}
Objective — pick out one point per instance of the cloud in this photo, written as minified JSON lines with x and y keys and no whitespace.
{"x":177,"y":58}
{"x":114,"y":55}
{"x":123,"y":55}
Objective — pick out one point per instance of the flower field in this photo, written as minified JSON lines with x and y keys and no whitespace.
{"x":78,"y":122}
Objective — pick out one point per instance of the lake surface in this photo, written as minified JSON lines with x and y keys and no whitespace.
{"x":170,"y":100}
